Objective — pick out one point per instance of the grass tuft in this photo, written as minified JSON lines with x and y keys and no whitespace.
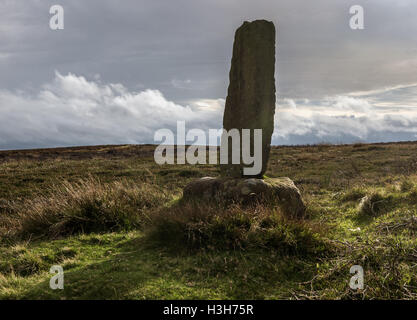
{"x":197,"y":226}
{"x":373,"y":204}
{"x":83,"y":207}
{"x":353,"y":194}
{"x":406,"y":185}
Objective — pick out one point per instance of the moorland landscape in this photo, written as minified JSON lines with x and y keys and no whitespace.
{"x":114,"y":220}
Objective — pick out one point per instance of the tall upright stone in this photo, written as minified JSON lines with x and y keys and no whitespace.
{"x":250,"y":102}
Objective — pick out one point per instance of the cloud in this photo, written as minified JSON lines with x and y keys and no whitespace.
{"x":387,"y":114}
{"x":181,"y":84}
{"x":72,"y":110}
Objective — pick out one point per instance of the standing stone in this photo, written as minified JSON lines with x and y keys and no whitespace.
{"x":250,"y":102}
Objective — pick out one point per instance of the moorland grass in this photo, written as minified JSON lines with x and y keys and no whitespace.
{"x":84,"y":206}
{"x":113,"y":219}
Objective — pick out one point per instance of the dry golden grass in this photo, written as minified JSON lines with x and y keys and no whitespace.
{"x":85,"y":206}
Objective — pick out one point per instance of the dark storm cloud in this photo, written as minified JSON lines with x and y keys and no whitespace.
{"x":153,"y":43}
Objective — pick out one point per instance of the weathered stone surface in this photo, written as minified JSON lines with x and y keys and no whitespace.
{"x":250,"y":102}
{"x":279,"y":191}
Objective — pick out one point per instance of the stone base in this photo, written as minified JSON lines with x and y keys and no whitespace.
{"x":278,"y":191}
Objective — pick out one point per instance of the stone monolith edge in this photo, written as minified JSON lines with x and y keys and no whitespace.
{"x":250,"y":102}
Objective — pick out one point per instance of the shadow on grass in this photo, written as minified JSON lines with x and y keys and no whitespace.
{"x":141,"y":270}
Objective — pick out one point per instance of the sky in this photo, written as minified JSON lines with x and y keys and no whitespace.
{"x":121,"y":70}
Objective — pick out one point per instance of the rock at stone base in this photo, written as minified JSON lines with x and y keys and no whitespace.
{"x":279,"y":191}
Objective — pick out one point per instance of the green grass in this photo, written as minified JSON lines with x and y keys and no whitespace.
{"x":126,"y":266}
{"x":112,"y":218}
